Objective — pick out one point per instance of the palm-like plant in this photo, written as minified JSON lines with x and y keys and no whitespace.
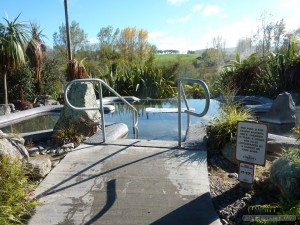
{"x":35,"y":51}
{"x":13,"y":37}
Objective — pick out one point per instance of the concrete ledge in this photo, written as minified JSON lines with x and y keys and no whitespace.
{"x":6,"y":120}
{"x":195,"y":138}
{"x":113,"y":132}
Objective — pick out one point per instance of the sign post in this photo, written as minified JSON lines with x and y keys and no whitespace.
{"x":251,"y":148}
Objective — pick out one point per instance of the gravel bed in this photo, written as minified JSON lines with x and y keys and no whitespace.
{"x":230,"y":198}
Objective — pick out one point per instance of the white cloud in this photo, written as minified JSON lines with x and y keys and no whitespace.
{"x":289,"y":4}
{"x":186,"y":18}
{"x":230,"y":34}
{"x":177,"y":2}
{"x":93,"y":40}
{"x":156,"y":34}
{"x":164,"y":41}
{"x":197,"y":7}
{"x":211,"y":10}
{"x":289,"y":11}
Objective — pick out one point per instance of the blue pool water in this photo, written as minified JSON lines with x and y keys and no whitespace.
{"x":151,"y":125}
{"x":159,"y":125}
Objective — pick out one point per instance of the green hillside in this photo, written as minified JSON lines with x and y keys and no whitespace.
{"x":165,"y":59}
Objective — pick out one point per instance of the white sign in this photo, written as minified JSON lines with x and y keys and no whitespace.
{"x":251,"y":142}
{"x":246,"y":173}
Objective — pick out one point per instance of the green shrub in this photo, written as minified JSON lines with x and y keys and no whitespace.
{"x":68,"y":135}
{"x":222,"y":129}
{"x":22,"y":78}
{"x":265,"y":76}
{"x":284,"y":208}
{"x":296,"y":132}
{"x":141,"y":81}
{"x":14,"y":188}
{"x":53,"y":79}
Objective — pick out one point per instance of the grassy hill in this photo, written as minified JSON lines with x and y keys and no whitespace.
{"x":166,"y":59}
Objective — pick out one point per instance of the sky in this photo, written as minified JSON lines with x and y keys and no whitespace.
{"x":171,"y":24}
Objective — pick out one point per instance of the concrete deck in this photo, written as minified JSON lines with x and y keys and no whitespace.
{"x":128,"y":181}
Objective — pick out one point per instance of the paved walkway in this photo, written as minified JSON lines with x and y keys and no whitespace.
{"x":128,"y":181}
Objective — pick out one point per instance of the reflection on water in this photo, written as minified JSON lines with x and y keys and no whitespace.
{"x":43,"y":122}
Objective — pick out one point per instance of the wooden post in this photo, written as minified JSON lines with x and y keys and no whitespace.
{"x":68,"y":31}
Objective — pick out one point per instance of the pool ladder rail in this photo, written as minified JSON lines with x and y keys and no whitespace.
{"x":181,"y":94}
{"x":100,"y":84}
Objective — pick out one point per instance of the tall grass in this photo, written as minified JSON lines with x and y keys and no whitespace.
{"x":222,"y":129}
{"x":15,"y":205}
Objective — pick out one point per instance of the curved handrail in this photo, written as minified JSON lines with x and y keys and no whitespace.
{"x":181,"y":93}
{"x":100,"y":83}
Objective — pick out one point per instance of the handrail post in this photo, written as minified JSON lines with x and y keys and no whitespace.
{"x":186,"y":104}
{"x":102,"y":112}
{"x":135,"y":115}
{"x":181,"y":92}
{"x":179,"y":113}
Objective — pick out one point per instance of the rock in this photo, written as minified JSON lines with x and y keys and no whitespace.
{"x":277,"y":143}
{"x":224,"y":221}
{"x":60,"y":151}
{"x":12,"y":146}
{"x":43,"y":151}
{"x":282,"y":110}
{"x":233,"y":175}
{"x":54,"y":163}
{"x":68,"y":147}
{"x":284,"y":174}
{"x":4,"y":109}
{"x":52,"y":152}
{"x":228,"y":151}
{"x":34,"y":151}
{"x":85,"y":122}
{"x":40,"y":167}
{"x":43,"y":100}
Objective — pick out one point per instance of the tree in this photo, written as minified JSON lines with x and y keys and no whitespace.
{"x":244,"y":47}
{"x":78,"y":38}
{"x":279,"y":33}
{"x":13,"y":37}
{"x":35,"y":51}
{"x":219,"y":44}
{"x":108,"y":39}
{"x":133,"y":44}
{"x":269,"y":35}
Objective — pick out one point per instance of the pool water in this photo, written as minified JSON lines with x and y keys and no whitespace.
{"x":38,"y":123}
{"x":151,"y":125}
{"x":160,"y":125}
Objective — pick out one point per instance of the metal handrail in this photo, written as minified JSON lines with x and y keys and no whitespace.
{"x":100,"y":83}
{"x":188,"y":111}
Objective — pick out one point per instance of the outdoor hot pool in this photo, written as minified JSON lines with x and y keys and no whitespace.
{"x":151,"y":125}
